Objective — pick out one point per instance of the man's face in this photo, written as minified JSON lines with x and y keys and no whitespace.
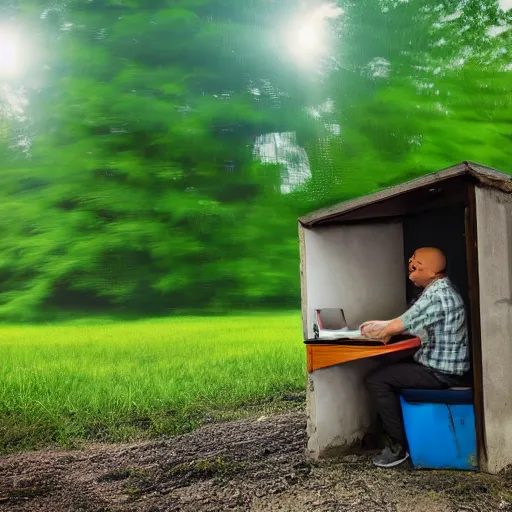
{"x":417,"y":272}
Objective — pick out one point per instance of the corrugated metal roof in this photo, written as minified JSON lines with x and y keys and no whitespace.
{"x":480,"y":173}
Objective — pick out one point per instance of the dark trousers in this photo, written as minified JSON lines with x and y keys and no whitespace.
{"x":398,"y":371}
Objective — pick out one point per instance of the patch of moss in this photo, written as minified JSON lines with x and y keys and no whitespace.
{"x":139,"y":482}
{"x":26,"y":492}
{"x":203,"y":468}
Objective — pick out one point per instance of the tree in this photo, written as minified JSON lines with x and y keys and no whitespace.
{"x":417,"y":87}
{"x":141,"y":193}
{"x":142,"y":190}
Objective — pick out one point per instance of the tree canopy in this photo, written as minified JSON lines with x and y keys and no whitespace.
{"x":129,"y":180}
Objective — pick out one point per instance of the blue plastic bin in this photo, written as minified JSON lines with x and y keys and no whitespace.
{"x":440,"y":428}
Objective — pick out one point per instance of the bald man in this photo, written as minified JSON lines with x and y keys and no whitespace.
{"x":438,"y":318}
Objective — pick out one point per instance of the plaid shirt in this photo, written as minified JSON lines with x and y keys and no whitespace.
{"x":438,"y":318}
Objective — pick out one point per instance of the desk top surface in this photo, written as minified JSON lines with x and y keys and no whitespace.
{"x":362,"y":343}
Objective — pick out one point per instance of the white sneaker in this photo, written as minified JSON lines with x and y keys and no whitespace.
{"x":388,"y":458}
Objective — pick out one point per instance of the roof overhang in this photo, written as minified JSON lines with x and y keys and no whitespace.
{"x":480,"y":174}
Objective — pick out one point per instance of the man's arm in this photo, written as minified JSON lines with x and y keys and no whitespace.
{"x":393,"y":328}
{"x":418,"y":316}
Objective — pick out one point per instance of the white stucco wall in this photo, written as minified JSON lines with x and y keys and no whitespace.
{"x":361,"y":269}
{"x":494,"y":232}
{"x":339,"y":408}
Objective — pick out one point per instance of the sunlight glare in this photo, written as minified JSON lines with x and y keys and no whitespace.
{"x":9,"y":53}
{"x":309,"y":39}
{"x":505,"y":5}
{"x":306,"y":36}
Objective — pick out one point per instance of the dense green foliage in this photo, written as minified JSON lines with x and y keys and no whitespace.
{"x":139,"y":192}
{"x":115,"y":381}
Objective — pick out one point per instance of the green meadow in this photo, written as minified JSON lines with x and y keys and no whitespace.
{"x":66,"y":384}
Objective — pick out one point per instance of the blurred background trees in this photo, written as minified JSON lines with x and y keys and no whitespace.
{"x":156,"y":155}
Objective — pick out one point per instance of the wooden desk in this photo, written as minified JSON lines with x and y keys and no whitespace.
{"x":324,"y":353}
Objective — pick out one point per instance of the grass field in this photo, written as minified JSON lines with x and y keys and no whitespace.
{"x":61,"y":385}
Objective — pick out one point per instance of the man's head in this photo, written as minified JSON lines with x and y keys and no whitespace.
{"x":426,"y":265}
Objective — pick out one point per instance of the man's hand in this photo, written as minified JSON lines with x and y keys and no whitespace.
{"x":372,"y":327}
{"x":376,"y":329}
{"x":383,"y":330}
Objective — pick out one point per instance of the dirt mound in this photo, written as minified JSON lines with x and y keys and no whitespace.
{"x":257,"y":464}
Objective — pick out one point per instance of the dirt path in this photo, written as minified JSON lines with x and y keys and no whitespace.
{"x":256,"y":465}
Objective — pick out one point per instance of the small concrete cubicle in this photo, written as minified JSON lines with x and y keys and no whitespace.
{"x":354,"y":257}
